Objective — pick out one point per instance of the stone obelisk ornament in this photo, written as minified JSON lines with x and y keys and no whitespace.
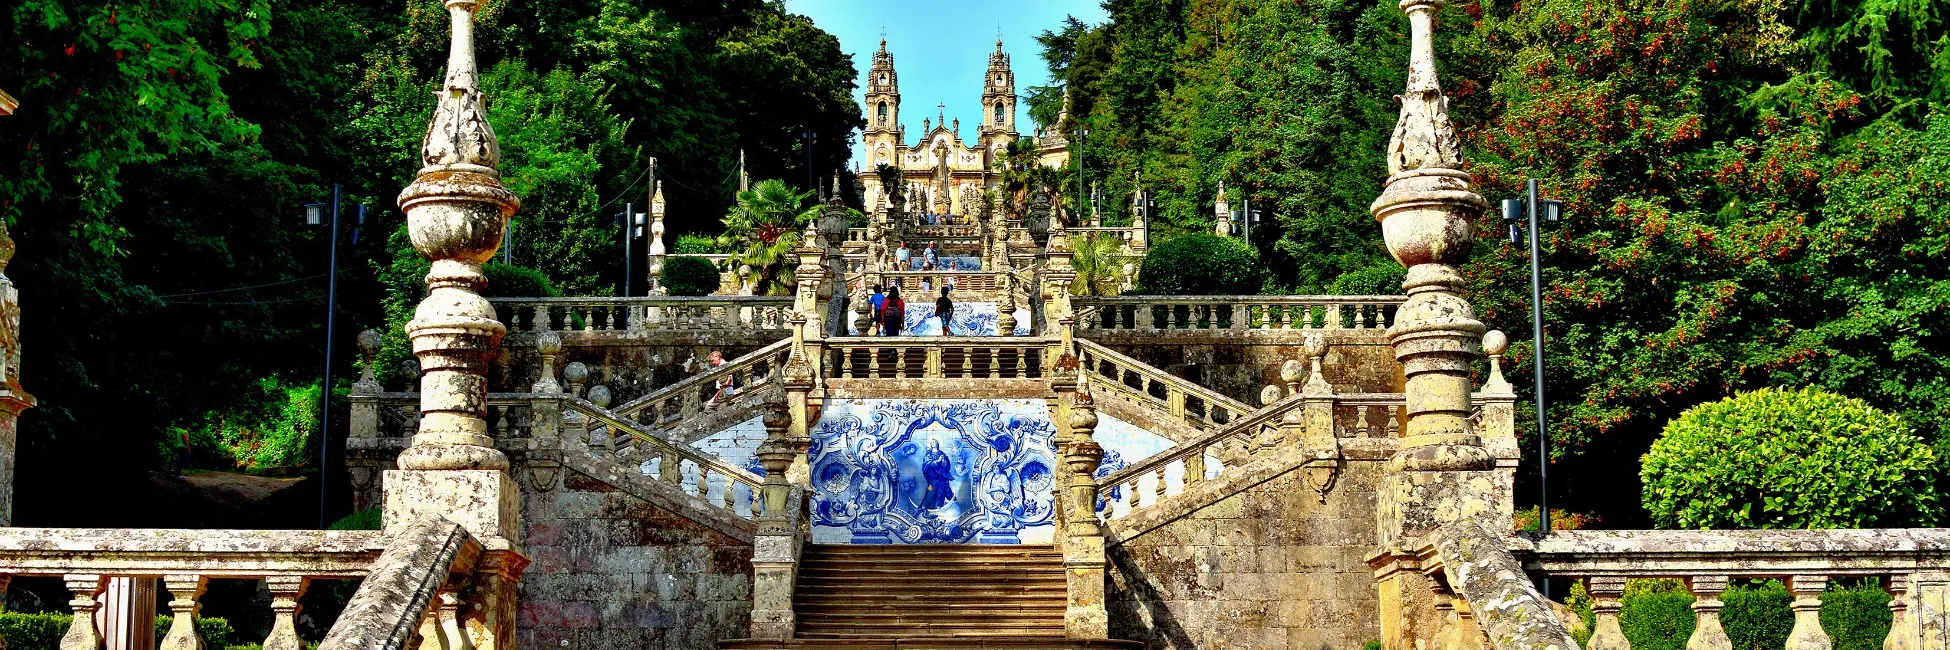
{"x":456,"y":210}
{"x":1428,"y":218}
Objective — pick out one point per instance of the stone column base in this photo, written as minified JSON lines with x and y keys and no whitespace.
{"x":484,"y":501}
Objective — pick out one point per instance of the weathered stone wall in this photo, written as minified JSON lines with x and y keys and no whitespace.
{"x":615,"y":571}
{"x":1269,"y":568}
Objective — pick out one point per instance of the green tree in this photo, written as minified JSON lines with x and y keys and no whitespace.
{"x":1198,"y":265}
{"x":763,"y":230}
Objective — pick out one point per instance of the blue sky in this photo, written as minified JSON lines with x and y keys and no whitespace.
{"x":941,"y":47}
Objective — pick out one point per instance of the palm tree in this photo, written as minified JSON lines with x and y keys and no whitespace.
{"x":1097,"y":267}
{"x":763,"y":229}
{"x":1020,"y":174}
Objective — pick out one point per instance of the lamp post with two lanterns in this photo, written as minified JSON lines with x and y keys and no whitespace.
{"x":315,"y":216}
{"x":1532,"y":214}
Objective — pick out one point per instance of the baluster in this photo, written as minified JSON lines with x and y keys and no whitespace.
{"x":670,"y":470}
{"x":995,"y":363}
{"x":873,"y":362}
{"x":184,"y":589}
{"x":1131,"y":488}
{"x":1144,"y":317}
{"x":900,"y":362}
{"x":846,"y":362}
{"x":931,"y":363}
{"x":703,"y":483}
{"x":1194,"y":469}
{"x":1903,"y":631}
{"x":967,"y":361}
{"x":1605,"y":594}
{"x":1022,"y":362}
{"x":285,"y":591}
{"x":588,"y":322}
{"x":500,"y":422}
{"x":1394,"y":423}
{"x":1158,"y":487}
{"x":1361,"y":421}
{"x":1707,"y":633}
{"x":1174,"y":400}
{"x":1807,"y":634}
{"x":82,"y":634}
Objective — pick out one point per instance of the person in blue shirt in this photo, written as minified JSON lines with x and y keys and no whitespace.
{"x":876,"y":300}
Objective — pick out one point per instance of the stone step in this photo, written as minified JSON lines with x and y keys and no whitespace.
{"x":934,"y":592}
{"x":934,"y":643}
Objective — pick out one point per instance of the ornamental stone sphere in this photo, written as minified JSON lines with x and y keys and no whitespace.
{"x":575,"y":372}
{"x":777,"y":418}
{"x":548,"y":343}
{"x":369,"y":342}
{"x":1292,"y":371}
{"x":599,"y":395}
{"x":1495,"y":342}
{"x":1270,"y":394}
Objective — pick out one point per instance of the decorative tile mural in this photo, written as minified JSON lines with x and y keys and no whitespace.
{"x":933,"y":472}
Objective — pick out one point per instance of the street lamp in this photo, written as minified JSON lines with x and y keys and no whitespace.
{"x":632,"y":223}
{"x":1531,"y":213}
{"x":315,"y":216}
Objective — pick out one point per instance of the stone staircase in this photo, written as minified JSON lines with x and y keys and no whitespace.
{"x":907,"y":591}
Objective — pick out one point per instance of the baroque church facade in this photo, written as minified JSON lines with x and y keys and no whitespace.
{"x":941,"y":173}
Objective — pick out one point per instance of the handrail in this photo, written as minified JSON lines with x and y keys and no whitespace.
{"x":929,"y":357}
{"x":390,"y":604}
{"x":609,"y":313}
{"x":1215,"y":403}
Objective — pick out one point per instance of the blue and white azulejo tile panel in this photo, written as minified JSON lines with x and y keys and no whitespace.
{"x":933,"y":472}
{"x":971,"y":319}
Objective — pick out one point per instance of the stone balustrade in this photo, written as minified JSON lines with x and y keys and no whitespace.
{"x":688,"y":399}
{"x":425,"y":590}
{"x":1191,"y":463}
{"x":1160,"y":391}
{"x":919,"y":286}
{"x":1912,"y":564}
{"x":1160,"y":314}
{"x":186,"y":560}
{"x":935,"y":357}
{"x":646,"y":313}
{"x":672,"y":462}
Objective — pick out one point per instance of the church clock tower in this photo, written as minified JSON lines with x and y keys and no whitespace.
{"x":882,"y":137}
{"x":998,"y":104}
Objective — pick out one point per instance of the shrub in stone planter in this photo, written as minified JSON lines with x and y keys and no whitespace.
{"x":690,"y":276}
{"x":1200,"y":264}
{"x":1776,"y":458}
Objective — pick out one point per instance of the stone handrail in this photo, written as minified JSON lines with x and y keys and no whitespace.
{"x":1915,"y":563}
{"x":186,"y":560}
{"x":652,"y":313}
{"x":687,"y":398}
{"x":1482,"y":593}
{"x":1234,"y":313}
{"x":643,"y":445}
{"x":1200,"y":407}
{"x":1254,"y":430}
{"x":421,"y":572}
{"x":935,"y":357}
{"x":969,"y":285}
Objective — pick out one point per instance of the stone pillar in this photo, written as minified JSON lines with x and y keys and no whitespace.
{"x":1807,"y":633}
{"x":1085,"y":616}
{"x":285,"y":592}
{"x":1499,"y":428}
{"x":1140,"y":215}
{"x":13,"y":398}
{"x":775,"y":548}
{"x":82,"y":633}
{"x":798,"y":377}
{"x":184,"y":590}
{"x":1606,"y":594}
{"x":1428,"y":215}
{"x":546,"y":429}
{"x":1708,"y":634}
{"x":456,"y":210}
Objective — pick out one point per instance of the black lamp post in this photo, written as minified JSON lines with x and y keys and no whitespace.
{"x":1535,"y":213}
{"x":315,"y":216}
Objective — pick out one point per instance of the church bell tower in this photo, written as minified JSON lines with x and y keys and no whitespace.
{"x":882,"y":137}
{"x":998,"y":103}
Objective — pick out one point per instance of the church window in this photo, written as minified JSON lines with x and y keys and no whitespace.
{"x":883,"y":114}
{"x":883,"y":78}
{"x":998,"y":113}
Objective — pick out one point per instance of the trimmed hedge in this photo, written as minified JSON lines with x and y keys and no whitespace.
{"x":690,"y":276}
{"x":43,"y":631}
{"x":1776,"y":458}
{"x":1201,"y":265}
{"x":510,"y":281}
{"x":1658,"y":614}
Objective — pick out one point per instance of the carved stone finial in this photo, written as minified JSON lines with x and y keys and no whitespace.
{"x":1495,"y":343}
{"x":1428,"y":219}
{"x":599,"y":395}
{"x":368,"y":341}
{"x":576,"y":374}
{"x":1271,"y":394}
{"x":456,"y":210}
{"x":549,"y":344}
{"x":1316,"y":347}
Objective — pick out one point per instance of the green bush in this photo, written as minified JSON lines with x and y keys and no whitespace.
{"x":368,"y":519}
{"x":690,"y":276}
{"x":697,"y":245}
{"x":1200,"y":264}
{"x":1757,"y":616}
{"x":1378,"y":280}
{"x":33,"y":631}
{"x":510,"y":281}
{"x":1776,"y":458}
{"x":43,"y":631}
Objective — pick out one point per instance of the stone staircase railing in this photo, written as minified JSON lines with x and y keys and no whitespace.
{"x":754,"y":377}
{"x":1159,"y":314}
{"x":88,"y":559}
{"x":646,"y":313}
{"x":1913,"y":564}
{"x":1144,"y":483}
{"x":1166,"y":394}
{"x":676,"y":465}
{"x":415,"y":591}
{"x":935,"y":357}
